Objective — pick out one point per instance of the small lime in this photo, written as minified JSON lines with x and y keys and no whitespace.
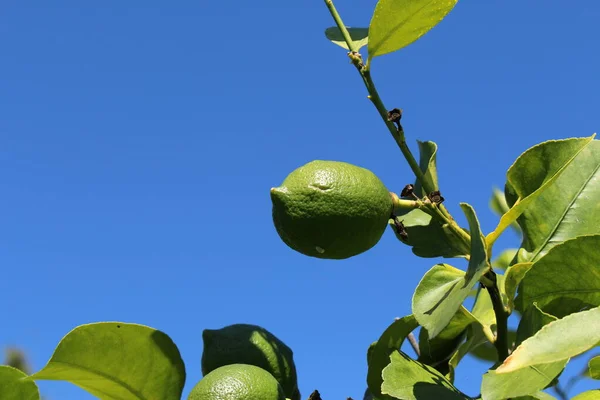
{"x":331,"y":209}
{"x":238,"y":382}
{"x":254,"y":345}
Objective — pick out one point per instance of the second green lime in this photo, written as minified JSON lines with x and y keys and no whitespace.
{"x":254,"y":345}
{"x":237,"y":382}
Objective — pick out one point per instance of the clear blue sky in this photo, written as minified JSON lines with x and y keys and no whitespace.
{"x":139,"y":141}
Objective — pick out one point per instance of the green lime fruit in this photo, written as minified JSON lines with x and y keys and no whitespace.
{"x":238,"y":382}
{"x":253,"y":345}
{"x":331,"y":209}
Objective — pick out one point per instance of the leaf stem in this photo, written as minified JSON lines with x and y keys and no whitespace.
{"x":501,"y":342}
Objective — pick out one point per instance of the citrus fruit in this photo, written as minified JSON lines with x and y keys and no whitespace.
{"x":331,"y":209}
{"x":237,"y":382}
{"x":253,"y":345}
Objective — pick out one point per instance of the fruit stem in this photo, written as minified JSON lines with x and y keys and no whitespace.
{"x":403,"y":205}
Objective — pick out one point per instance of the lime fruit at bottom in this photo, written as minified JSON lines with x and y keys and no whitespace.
{"x":253,"y":345}
{"x":237,"y":382}
{"x":331,"y":209}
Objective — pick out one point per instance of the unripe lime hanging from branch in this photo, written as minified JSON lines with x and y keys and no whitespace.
{"x":332,"y":209}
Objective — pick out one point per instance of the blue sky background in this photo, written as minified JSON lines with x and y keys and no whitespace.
{"x":139,"y":141}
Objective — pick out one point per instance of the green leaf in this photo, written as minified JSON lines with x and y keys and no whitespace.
{"x":359,"y":36}
{"x":428,"y":238}
{"x":479,"y":332}
{"x":594,"y":368}
{"x":565,"y":280}
{"x":589,"y":395}
{"x":557,"y":341}
{"x":475,"y":338}
{"x":438,"y":297}
{"x":478,"y":263}
{"x":427,"y":163}
{"x":379,"y":354}
{"x":443,"y":289}
{"x":530,"y":176}
{"x":407,"y":379}
{"x":479,"y":336}
{"x":445,"y":351}
{"x":504,"y":259}
{"x":526,"y":381}
{"x":115,"y":360}
{"x":16,"y":385}
{"x":532,"y":321}
{"x":567,"y":209}
{"x":483,"y":309}
{"x":536,"y":396}
{"x":499,"y":206}
{"x":397,"y":23}
{"x":513,"y":278}
{"x":436,"y":352}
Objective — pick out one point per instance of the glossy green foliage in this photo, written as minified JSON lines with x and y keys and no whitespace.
{"x":397,"y":23}
{"x":444,"y":288}
{"x":428,"y":238}
{"x":478,"y":261}
{"x":565,"y":280}
{"x":536,"y":396}
{"x":476,"y":337}
{"x":379,"y":353}
{"x":529,"y":177}
{"x":479,"y":333}
{"x":439,"y":296}
{"x":526,"y":381}
{"x":514,"y":276}
{"x":558,"y":340}
{"x":568,"y":171}
{"x":407,"y":379}
{"x":114,"y":360}
{"x":16,"y":385}
{"x":359,"y":36}
{"x":589,"y":395}
{"x":427,"y":164}
{"x":436,"y":352}
{"x":529,"y":380}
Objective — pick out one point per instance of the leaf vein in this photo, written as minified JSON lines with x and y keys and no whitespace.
{"x":566,"y":211}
